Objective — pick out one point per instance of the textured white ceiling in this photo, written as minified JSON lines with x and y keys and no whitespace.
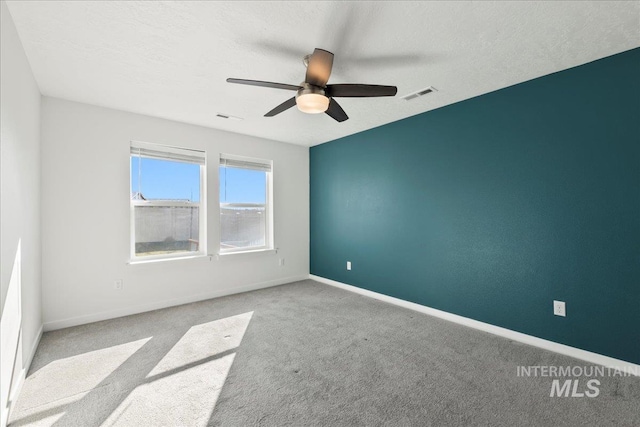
{"x":171,"y":59}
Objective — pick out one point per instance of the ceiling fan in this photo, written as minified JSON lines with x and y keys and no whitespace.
{"x":314,"y":95}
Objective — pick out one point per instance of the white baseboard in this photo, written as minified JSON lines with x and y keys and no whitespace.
{"x":587,"y":356}
{"x":15,"y":391}
{"x":112,"y":314}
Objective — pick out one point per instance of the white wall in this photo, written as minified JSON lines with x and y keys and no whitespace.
{"x":20,"y":292}
{"x":85,"y":216}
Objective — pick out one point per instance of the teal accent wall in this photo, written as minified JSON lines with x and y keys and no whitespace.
{"x":493,"y":207}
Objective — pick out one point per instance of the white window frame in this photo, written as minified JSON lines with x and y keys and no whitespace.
{"x":171,"y":154}
{"x":269,"y":244}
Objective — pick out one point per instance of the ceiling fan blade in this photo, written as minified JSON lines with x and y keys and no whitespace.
{"x":264,"y":84}
{"x":360,"y":91}
{"x":282,"y":107}
{"x":336,"y":111}
{"x":319,"y":68}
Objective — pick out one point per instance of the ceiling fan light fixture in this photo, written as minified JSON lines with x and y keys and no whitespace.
{"x":312,"y":103}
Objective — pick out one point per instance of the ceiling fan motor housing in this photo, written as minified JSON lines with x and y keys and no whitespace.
{"x":307,"y":88}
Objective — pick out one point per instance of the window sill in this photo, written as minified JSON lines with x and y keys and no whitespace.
{"x":177,"y":258}
{"x":223,"y":255}
{"x":219,"y":256}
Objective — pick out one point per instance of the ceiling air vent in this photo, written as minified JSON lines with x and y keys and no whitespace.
{"x":419,"y":93}
{"x":227,"y":116}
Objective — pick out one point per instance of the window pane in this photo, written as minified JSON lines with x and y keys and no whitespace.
{"x":162,"y":226}
{"x":243,"y":209}
{"x":242,"y":186}
{"x":166,"y":229}
{"x":164,"y":180}
{"x":242,"y":227}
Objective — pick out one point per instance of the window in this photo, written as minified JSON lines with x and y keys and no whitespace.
{"x":246,"y":220}
{"x":167,"y":201}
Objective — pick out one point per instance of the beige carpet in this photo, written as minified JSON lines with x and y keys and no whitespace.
{"x":303,"y":354}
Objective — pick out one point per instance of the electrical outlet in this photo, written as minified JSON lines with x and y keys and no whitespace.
{"x":117,"y":284}
{"x":348,"y":265}
{"x":559,"y":308}
{"x":281,"y":262}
